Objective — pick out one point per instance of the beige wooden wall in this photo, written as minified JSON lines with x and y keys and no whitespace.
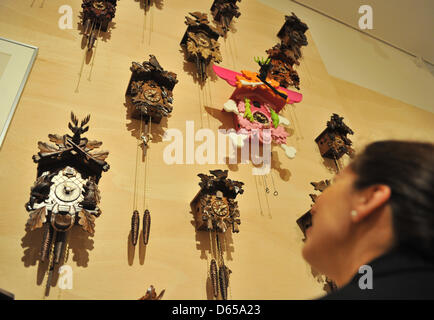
{"x":265,"y":256}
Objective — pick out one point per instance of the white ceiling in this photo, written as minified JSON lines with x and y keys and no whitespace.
{"x":406,"y":24}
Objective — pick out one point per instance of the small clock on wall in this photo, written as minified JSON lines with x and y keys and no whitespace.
{"x":333,"y":142}
{"x":224,"y":11}
{"x":214,"y":207}
{"x":215,"y":211}
{"x":96,"y":17}
{"x":150,"y":89}
{"x":201,"y":43}
{"x":287,"y":53}
{"x":65,"y":193}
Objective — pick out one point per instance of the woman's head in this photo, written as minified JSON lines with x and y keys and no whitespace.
{"x":383,"y":198}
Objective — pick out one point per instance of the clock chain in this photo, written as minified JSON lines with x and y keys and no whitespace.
{"x":135,"y":200}
{"x":264,"y":177}
{"x":257,"y":192}
{"x":227,"y":249}
{"x":148,"y":129}
{"x":267,"y":190}
{"x":50,"y":269}
{"x":66,"y":256}
{"x":209,"y":259}
{"x":94,"y":54}
{"x":338,"y":168}
{"x":85,"y":51}
{"x":275,"y":193}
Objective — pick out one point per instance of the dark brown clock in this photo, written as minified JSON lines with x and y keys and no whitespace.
{"x":214,"y":206}
{"x":287,"y":53}
{"x":96,"y":17}
{"x":224,"y":11}
{"x":333,"y":142}
{"x":215,"y":210}
{"x":200,"y":41}
{"x":150,"y":89}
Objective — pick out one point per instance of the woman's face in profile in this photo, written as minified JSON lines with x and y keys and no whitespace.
{"x":331,"y":221}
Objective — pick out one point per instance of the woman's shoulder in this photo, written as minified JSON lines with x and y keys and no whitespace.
{"x":398,"y":274}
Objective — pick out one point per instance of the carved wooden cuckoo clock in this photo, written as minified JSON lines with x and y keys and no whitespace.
{"x":333,"y":142}
{"x":96,"y":16}
{"x":215,"y":210}
{"x":223,"y":11}
{"x":65,"y":192}
{"x":150,"y":92}
{"x":150,"y":89}
{"x":287,"y":53}
{"x":201,"y":43}
{"x":256,"y":104}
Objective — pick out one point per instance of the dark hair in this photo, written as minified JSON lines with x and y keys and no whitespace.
{"x":408,"y":169}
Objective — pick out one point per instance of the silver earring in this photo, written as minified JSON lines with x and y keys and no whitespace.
{"x":354,"y":213}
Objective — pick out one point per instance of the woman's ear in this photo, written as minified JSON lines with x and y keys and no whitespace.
{"x":369,"y":200}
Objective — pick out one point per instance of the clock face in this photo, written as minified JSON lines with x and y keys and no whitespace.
{"x":152,"y":95}
{"x":260,"y":117}
{"x":67,"y":188}
{"x":220,"y":208}
{"x":99,"y":5}
{"x":338,"y":142}
{"x":67,"y":191}
{"x":203,"y":40}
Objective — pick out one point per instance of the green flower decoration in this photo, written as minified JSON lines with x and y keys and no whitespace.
{"x":274,"y":118}
{"x":248,"y":113}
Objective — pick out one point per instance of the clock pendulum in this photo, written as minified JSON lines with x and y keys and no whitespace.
{"x":149,"y":94}
{"x":65,"y":192}
{"x":215,"y":211}
{"x":96,"y":18}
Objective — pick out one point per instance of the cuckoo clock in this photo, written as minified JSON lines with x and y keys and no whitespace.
{"x":282,"y":61}
{"x":96,"y":16}
{"x":201,"y":43}
{"x":293,"y":31}
{"x":65,"y":193}
{"x":256,"y":104}
{"x":287,"y":53}
{"x":150,"y":89}
{"x":224,"y":11}
{"x":214,"y":207}
{"x":215,"y":210}
{"x":333,"y":142}
{"x":150,"y":92}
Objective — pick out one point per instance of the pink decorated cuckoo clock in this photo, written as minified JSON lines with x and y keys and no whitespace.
{"x":256,"y":104}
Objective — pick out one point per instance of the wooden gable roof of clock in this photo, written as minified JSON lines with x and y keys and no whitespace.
{"x":200,"y":24}
{"x":152,"y":70}
{"x":74,"y":151}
